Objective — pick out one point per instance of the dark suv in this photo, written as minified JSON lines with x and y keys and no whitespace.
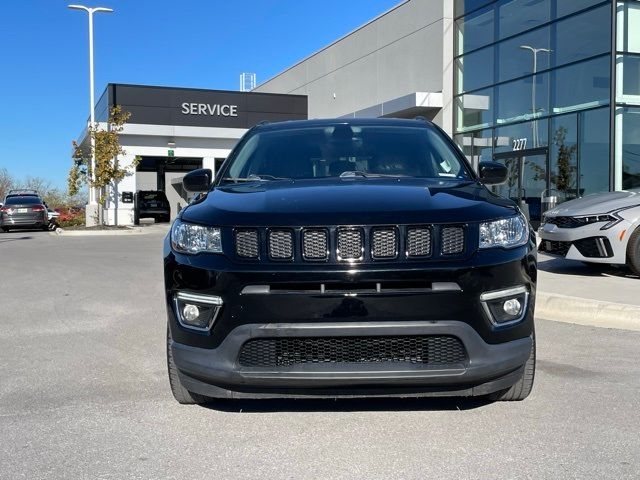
{"x":349,"y":257}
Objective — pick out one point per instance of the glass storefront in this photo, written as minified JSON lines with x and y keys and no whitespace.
{"x":628,"y":95}
{"x":533,"y":79}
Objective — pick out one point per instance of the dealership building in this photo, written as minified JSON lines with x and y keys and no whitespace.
{"x":174,"y":130}
{"x":551,"y":88}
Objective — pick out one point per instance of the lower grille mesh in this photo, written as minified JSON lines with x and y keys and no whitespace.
{"x":418,"y":349}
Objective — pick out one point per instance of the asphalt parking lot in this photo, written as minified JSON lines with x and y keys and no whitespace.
{"x":84,"y":393}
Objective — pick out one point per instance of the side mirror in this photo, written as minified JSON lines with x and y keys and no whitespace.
{"x":198,"y":180}
{"x":493,"y":173}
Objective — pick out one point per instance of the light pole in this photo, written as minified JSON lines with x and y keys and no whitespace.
{"x":534,"y":51}
{"x":91,"y":11}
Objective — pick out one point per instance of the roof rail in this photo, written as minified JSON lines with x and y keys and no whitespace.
{"x":421,"y":118}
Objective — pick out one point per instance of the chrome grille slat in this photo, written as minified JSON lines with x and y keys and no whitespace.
{"x":419,"y":242}
{"x":247,"y":243}
{"x":281,"y":244}
{"x":452,"y":240}
{"x":315,"y":244}
{"x":350,"y":244}
{"x":384,"y":243}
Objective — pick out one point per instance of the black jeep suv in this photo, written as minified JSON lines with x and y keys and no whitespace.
{"x":349,"y":258}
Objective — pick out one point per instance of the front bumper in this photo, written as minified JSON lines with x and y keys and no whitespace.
{"x":588,"y":243}
{"x":217,"y":373}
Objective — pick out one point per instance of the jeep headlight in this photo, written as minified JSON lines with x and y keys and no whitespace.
{"x":191,"y":238}
{"x":506,"y":233}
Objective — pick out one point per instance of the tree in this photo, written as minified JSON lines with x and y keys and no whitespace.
{"x":6,"y":183}
{"x":564,"y":178}
{"x":106,"y":150}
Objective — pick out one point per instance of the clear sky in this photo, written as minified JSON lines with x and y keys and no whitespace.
{"x":44,"y":93}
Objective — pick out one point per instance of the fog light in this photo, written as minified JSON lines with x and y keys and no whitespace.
{"x":197,"y":311}
{"x":191,"y":313}
{"x":512,"y":307}
{"x":505,"y":307}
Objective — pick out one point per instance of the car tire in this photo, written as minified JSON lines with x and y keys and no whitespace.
{"x":522,"y":388}
{"x":4,"y":229}
{"x":633,"y":252}
{"x":181,"y":394}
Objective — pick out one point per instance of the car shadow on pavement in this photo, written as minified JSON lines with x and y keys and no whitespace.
{"x":574,"y":267}
{"x":13,"y":239}
{"x":347,"y":404}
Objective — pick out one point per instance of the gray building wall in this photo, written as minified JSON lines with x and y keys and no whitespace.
{"x":398,"y":53}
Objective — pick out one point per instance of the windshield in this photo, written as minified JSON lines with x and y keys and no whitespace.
{"x":346,"y":150}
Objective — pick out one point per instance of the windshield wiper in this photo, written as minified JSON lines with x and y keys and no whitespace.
{"x":360,"y":173}
{"x":254,"y":178}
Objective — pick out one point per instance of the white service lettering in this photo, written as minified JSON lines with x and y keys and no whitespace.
{"x":209,"y":109}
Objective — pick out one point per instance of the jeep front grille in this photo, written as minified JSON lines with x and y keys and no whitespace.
{"x":247,"y":243}
{"x":281,"y":244}
{"x":315,"y":244}
{"x":452,"y":240}
{"x":427,"y":350}
{"x":342,"y":244}
{"x":419,"y":241}
{"x":384,"y":243}
{"x":350,"y":244}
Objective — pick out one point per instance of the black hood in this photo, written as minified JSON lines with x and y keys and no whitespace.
{"x":358,"y":201}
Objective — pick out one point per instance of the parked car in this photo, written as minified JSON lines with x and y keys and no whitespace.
{"x":349,"y":257}
{"x":153,"y":204}
{"x":24,"y":211}
{"x":602,"y":228}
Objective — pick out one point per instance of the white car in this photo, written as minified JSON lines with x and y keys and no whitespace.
{"x":599,"y":228}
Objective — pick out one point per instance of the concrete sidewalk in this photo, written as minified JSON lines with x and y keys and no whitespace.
{"x":573,"y":292}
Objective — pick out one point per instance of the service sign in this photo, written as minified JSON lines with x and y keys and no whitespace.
{"x":209,"y":109}
{"x":193,"y":107}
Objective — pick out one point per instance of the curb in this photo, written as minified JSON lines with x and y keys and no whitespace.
{"x":585,"y":311}
{"x":95,"y":233}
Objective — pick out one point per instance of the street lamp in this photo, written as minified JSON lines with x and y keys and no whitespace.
{"x":91,"y":11}
{"x":534,"y":51}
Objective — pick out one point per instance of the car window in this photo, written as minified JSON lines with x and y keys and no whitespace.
{"x":330,"y":151}
{"x":23,"y":200}
{"x":149,"y":196}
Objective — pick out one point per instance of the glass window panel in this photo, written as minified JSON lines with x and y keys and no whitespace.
{"x":464,"y":6}
{"x":564,"y":155}
{"x":475,"y":30}
{"x":479,"y":66}
{"x":477,"y":146}
{"x":523,"y":99}
{"x":565,"y":7}
{"x":631,"y":75}
{"x":582,"y":36}
{"x":521,"y":136}
{"x":629,"y":28}
{"x":516,"y":16}
{"x":474,"y":109}
{"x":582,"y":85}
{"x":631,"y":148}
{"x":515,"y":61}
{"x":593,"y":151}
